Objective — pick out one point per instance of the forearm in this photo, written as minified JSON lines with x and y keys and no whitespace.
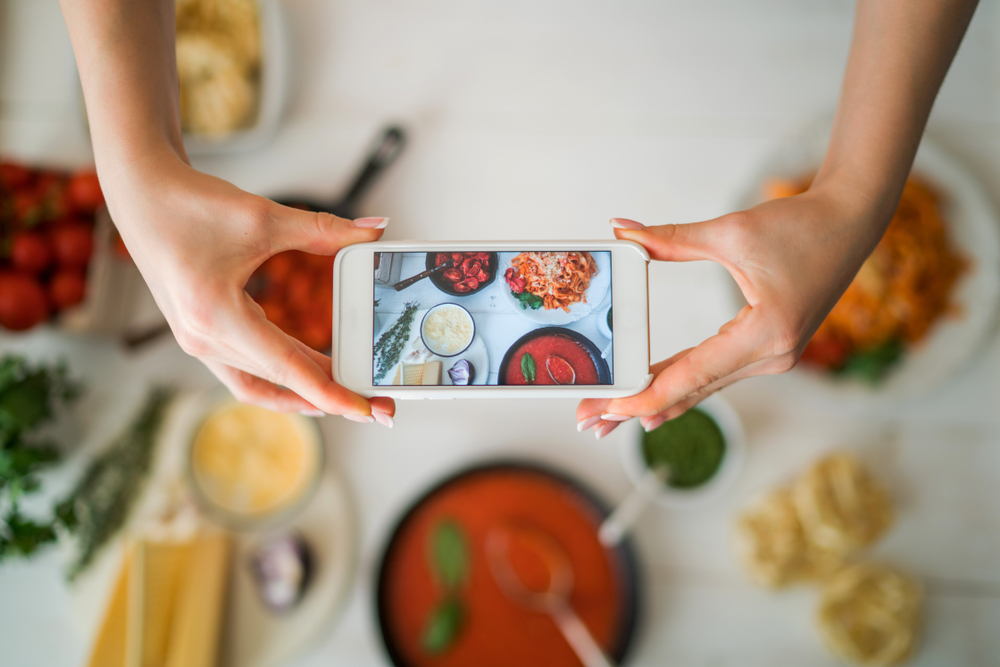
{"x":127,"y":60}
{"x":900,"y":53}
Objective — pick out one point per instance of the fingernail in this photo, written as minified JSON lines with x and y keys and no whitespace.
{"x":604,"y":429}
{"x":655,"y":423}
{"x":615,"y":418}
{"x":312,"y":413}
{"x":587,"y":423}
{"x":361,"y":419}
{"x":371,"y":223}
{"x":625,"y":223}
{"x":383,"y":419}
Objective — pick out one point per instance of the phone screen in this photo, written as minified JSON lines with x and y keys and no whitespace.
{"x":493,"y":318}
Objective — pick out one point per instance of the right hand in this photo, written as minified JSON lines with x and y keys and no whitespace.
{"x":792,"y":258}
{"x":196,"y":240}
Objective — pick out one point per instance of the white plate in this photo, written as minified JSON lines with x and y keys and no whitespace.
{"x":600,"y":284}
{"x":476,"y":354}
{"x":953,"y":342}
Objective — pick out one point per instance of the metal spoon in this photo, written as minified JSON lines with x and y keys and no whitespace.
{"x":616,"y":526}
{"x":555,"y":600}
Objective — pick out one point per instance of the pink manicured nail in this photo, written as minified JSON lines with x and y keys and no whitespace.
{"x":603,"y":429}
{"x":615,"y":418}
{"x":361,"y":419}
{"x":312,"y":413}
{"x":371,"y":223}
{"x":655,"y":423}
{"x":625,"y":223}
{"x":587,"y":423}
{"x":383,"y":419}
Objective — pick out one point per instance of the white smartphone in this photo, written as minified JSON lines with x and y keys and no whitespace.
{"x":491,"y":319}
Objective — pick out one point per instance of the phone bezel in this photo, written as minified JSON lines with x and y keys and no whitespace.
{"x":353,"y":321}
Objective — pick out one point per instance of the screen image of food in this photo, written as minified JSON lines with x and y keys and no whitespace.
{"x":493,"y":318}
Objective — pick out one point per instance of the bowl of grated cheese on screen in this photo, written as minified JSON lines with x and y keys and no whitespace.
{"x":447,"y":329}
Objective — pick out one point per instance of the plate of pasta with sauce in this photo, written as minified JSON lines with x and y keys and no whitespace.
{"x":927,"y":299}
{"x":555,"y":287}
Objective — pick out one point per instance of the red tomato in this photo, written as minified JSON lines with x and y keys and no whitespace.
{"x":22,"y":301}
{"x":300,"y":289}
{"x":84,"y":190}
{"x":67,"y":288}
{"x":275,"y":312}
{"x":72,"y":241}
{"x":31,"y":252}
{"x":825,"y":352}
{"x":13,"y":176}
{"x":279,"y":267}
{"x":316,"y":333}
{"x":27,"y":207}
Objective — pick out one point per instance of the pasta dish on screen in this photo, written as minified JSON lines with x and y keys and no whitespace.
{"x":558,"y":279}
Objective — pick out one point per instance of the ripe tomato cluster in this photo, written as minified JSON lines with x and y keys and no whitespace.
{"x":295,"y":289}
{"x":46,"y":239}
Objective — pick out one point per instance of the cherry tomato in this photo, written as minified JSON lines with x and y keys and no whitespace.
{"x":73,"y":241}
{"x":279,"y":267}
{"x":27,"y":207}
{"x":84,"y":190}
{"x":67,"y":287}
{"x":275,"y":312}
{"x":31,"y":252}
{"x":300,"y":290}
{"x":13,"y":176}
{"x":825,"y":352}
{"x":22,"y":301}
{"x":316,"y":333}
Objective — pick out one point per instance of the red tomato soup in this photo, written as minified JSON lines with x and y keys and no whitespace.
{"x":552,"y":344}
{"x":497,"y":631}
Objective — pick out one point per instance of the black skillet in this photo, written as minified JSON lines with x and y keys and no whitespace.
{"x":385,"y":152}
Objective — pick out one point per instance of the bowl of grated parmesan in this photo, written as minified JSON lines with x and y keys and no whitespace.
{"x":447,"y":329}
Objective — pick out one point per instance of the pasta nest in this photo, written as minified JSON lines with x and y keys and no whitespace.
{"x":870,"y":614}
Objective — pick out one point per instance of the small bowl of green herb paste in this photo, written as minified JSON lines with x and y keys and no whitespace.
{"x":703,"y":450}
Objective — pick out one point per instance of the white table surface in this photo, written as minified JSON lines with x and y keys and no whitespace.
{"x":541,"y":119}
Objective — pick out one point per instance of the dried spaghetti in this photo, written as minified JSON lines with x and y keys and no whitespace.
{"x":559,"y":279}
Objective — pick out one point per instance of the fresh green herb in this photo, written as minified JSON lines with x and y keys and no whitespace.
{"x":448,"y":553}
{"x":528,"y":300}
{"x":610,"y":321}
{"x":691,"y":446}
{"x":443,"y":625}
{"x":390,"y":344}
{"x":872,"y":365}
{"x":99,"y":505}
{"x":30,"y":396}
{"x":528,"y":367}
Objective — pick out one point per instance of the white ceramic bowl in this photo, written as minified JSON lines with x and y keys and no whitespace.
{"x":732,"y":431}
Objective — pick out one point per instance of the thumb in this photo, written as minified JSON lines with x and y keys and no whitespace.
{"x":670,"y":243}
{"x":319,"y":233}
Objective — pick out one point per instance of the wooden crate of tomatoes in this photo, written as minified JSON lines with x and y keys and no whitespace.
{"x":46,"y":241}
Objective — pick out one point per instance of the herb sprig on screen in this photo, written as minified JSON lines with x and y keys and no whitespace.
{"x":528,"y":300}
{"x":390,"y":344}
{"x":30,"y":395}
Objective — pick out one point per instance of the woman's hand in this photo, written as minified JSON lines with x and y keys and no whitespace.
{"x":197,"y":239}
{"x":792,"y":259}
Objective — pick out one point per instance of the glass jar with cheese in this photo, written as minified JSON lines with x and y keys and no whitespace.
{"x":252,"y":467}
